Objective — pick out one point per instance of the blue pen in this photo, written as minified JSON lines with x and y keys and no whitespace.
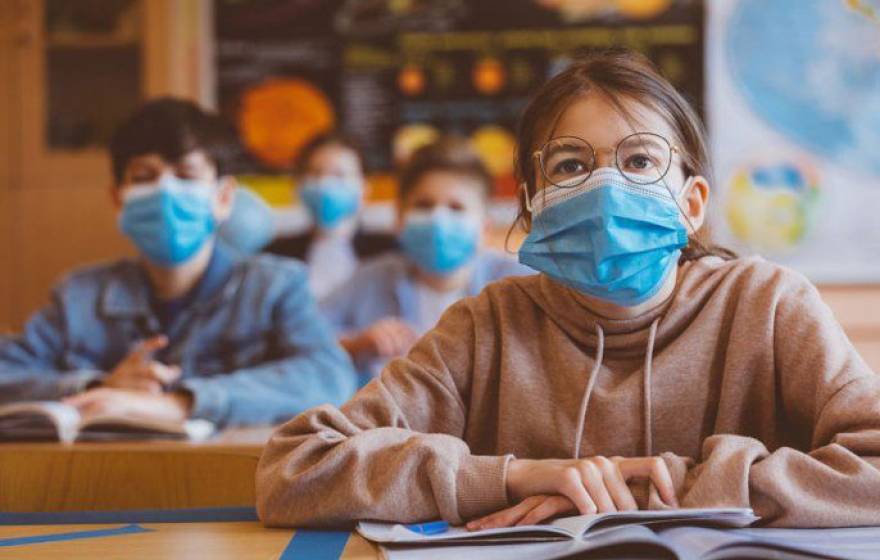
{"x":430,"y":528}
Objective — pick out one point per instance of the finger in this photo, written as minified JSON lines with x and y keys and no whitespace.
{"x":551,"y":507}
{"x":145,"y":385}
{"x":401,"y":341}
{"x":506,"y":517}
{"x":572,"y":487}
{"x":397,"y":344}
{"x":145,"y":348}
{"x":662,"y":480}
{"x":653,"y":468}
{"x":411,"y":334}
{"x":87,"y":396}
{"x":616,"y":485}
{"x":162,"y":373}
{"x":384,"y":345}
{"x":137,"y":378}
{"x":595,"y":484}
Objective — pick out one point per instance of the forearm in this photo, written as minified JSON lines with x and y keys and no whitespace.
{"x":272,"y":392}
{"x":828,"y":487}
{"x":323,"y":470}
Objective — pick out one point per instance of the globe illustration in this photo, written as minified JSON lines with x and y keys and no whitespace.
{"x":770,"y":207}
{"x":811,"y":70}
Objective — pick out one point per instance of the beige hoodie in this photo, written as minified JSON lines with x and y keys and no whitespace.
{"x":742,"y":381}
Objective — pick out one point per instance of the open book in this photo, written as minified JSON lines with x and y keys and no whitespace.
{"x":695,"y":534}
{"x":55,"y":421}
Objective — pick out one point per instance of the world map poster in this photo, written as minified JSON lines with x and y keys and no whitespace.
{"x":793,"y":99}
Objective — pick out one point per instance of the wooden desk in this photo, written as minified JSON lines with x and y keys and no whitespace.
{"x":217,"y":541}
{"x":131,"y":475}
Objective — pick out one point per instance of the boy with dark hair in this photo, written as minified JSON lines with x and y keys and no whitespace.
{"x":191,"y":329}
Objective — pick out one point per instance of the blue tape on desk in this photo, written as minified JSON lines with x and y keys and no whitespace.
{"x":74,"y":535}
{"x":195,"y":515}
{"x":315,"y":545}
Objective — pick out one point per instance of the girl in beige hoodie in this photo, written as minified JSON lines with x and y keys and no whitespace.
{"x":642,"y":369}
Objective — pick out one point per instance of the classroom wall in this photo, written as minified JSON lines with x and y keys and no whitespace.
{"x":55,"y":209}
{"x":47,"y":228}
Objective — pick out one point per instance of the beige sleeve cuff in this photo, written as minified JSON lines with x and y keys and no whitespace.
{"x":481,"y":485}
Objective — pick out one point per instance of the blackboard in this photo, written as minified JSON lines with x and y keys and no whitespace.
{"x":392,"y":73}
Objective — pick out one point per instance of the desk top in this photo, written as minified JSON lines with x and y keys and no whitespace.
{"x":218,"y":541}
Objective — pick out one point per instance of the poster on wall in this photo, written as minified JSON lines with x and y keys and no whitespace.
{"x":394,"y":75}
{"x":793,"y":100}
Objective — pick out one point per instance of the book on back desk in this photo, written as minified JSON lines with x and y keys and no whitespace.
{"x":55,"y":421}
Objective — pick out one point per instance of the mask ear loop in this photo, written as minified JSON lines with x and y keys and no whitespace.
{"x":684,"y":189}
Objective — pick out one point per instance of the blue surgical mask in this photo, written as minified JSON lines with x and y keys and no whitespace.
{"x":251,"y":225}
{"x":169,"y":221}
{"x":609,"y":238}
{"x":440,"y":241}
{"x":331,"y":200}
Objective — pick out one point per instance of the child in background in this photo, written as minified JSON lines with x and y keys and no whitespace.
{"x":190,"y":328}
{"x":639,"y":359}
{"x":330,"y":176}
{"x":442,"y":220}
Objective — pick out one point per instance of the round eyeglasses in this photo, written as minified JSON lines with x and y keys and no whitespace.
{"x":643,"y":158}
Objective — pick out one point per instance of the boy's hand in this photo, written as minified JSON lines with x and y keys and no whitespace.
{"x":167,"y":407}
{"x":139,"y":372}
{"x":385,"y":338}
{"x":551,"y":487}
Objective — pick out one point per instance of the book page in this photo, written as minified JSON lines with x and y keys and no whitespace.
{"x":631,"y":537}
{"x":39,"y":420}
{"x":564,"y":527}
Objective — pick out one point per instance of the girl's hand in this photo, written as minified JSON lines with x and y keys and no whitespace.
{"x":593,"y":485}
{"x":530,"y":511}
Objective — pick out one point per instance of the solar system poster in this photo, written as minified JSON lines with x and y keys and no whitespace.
{"x":394,"y":74}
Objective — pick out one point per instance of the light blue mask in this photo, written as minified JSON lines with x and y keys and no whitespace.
{"x":609,"y":238}
{"x":251,"y":225}
{"x":169,"y":221}
{"x":440,"y":241}
{"x":330,"y":200}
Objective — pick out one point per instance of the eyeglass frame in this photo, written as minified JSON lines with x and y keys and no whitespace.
{"x":673,"y":150}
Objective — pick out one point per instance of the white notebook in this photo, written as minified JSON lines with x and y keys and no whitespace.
{"x":679,"y":542}
{"x":55,"y":421}
{"x":694,"y":534}
{"x":575,"y":527}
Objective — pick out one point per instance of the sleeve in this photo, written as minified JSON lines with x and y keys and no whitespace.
{"x":337,"y":305}
{"x":830,"y":399}
{"x":31,"y":363}
{"x":394,"y":452}
{"x":312,"y":370}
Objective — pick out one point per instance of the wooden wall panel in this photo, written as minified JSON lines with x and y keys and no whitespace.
{"x":61,"y":228}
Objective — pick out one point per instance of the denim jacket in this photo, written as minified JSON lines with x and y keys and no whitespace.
{"x":253,"y":349}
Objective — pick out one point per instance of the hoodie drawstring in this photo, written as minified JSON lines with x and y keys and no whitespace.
{"x":646,"y":389}
{"x":591,"y":382}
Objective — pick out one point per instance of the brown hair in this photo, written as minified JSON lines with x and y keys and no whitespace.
{"x":450,"y":153}
{"x":614,"y":74}
{"x":334,"y":138}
